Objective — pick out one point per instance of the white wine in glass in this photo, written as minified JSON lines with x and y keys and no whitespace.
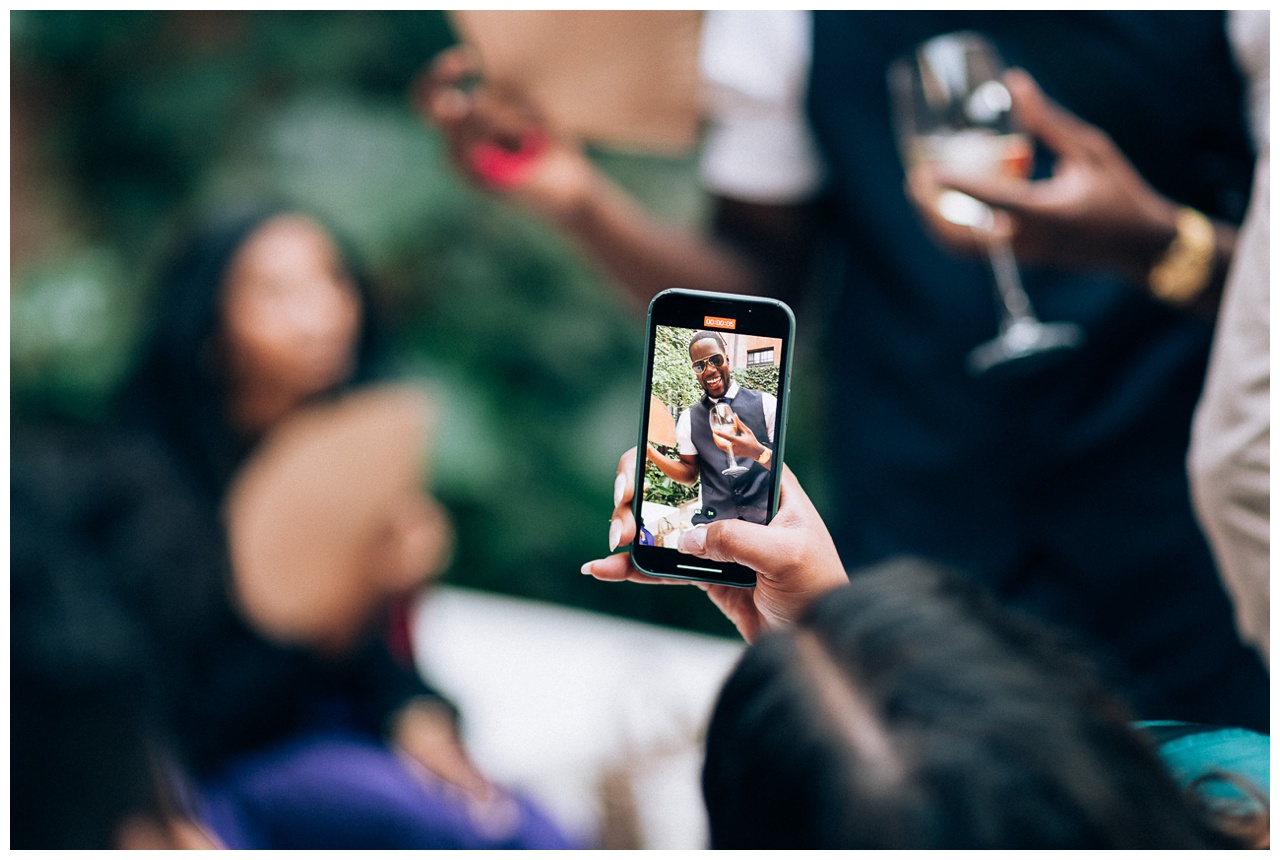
{"x":950,"y":108}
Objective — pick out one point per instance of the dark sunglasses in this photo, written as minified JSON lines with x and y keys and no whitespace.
{"x":716,"y":360}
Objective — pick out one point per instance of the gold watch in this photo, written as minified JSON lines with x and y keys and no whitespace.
{"x":1186,"y":267}
{"x":765,"y":456}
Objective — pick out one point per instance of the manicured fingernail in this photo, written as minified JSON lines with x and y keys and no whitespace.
{"x":615,"y":534}
{"x":693,"y":542}
{"x":586,"y":568}
{"x":618,"y":486}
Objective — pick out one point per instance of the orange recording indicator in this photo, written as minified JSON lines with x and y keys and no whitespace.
{"x":719,"y":322}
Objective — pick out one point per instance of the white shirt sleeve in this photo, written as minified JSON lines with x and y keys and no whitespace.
{"x":770,"y":405}
{"x":1249,"y":31}
{"x":755,"y":66}
{"x":684,"y":434}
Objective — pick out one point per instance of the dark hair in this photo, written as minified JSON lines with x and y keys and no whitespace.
{"x":177,"y":387}
{"x":707,"y":335}
{"x":909,"y":710}
{"x":98,"y":529}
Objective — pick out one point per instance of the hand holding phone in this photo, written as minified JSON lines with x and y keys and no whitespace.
{"x":794,"y":556}
{"x":716,"y":369}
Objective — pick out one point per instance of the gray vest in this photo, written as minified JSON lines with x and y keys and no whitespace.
{"x":745,"y":497}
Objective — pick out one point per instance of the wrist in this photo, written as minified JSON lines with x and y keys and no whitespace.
{"x":577,"y":191}
{"x":1186,"y":266}
{"x":764,"y":457}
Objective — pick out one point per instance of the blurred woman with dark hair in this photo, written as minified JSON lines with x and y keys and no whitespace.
{"x":262,"y":317}
{"x":908,"y":710}
{"x":257,"y":313}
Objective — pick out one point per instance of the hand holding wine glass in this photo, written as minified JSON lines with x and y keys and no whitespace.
{"x":724,"y":421}
{"x":738,"y":440}
{"x":1095,"y":209}
{"x":952,"y":109}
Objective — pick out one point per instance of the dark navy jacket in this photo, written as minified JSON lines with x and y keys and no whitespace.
{"x":1060,"y":484}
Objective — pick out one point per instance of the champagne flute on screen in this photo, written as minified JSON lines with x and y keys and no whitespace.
{"x":950,"y":108}
{"x":722,"y":416}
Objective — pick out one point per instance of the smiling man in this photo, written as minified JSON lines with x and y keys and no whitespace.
{"x":704,"y":450}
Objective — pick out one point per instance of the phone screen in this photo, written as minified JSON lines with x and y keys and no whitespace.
{"x":713,"y":424}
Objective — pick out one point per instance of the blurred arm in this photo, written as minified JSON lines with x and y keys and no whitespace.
{"x":753,"y":247}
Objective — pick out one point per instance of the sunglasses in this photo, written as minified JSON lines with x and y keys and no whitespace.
{"x":716,"y":360}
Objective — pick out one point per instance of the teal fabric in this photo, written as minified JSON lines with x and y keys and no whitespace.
{"x":1191,"y":751}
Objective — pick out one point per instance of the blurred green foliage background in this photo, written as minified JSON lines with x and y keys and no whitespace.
{"x":126,"y":124}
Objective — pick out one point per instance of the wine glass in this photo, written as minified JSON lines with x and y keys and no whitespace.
{"x":950,"y":108}
{"x":722,"y":416}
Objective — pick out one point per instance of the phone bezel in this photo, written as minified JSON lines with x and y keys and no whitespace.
{"x":688,"y":309}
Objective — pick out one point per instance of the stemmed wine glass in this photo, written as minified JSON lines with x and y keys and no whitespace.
{"x":951,"y":108}
{"x":722,"y":416}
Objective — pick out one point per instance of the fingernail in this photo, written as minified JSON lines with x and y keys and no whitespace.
{"x":615,"y":534}
{"x":618,"y":486}
{"x":586,"y":568}
{"x":693,"y":542}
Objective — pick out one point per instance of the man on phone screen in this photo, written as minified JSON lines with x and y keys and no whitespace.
{"x":704,"y":450}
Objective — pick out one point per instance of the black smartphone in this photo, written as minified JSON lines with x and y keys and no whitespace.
{"x":712,"y":424}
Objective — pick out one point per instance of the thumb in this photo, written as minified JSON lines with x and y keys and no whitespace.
{"x":749,"y":544}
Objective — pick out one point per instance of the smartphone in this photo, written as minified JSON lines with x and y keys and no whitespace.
{"x":712,"y":424}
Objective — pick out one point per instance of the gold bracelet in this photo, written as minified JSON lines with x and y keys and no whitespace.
{"x":1186,"y":267}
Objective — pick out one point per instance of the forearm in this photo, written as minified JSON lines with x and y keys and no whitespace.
{"x":554,"y":178}
{"x":646,"y":256}
{"x":676,"y":470}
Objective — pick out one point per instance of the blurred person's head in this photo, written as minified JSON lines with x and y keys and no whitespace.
{"x":256,"y":313}
{"x":710,"y":358}
{"x":96,"y":532}
{"x":290,"y":315}
{"x":909,"y":710}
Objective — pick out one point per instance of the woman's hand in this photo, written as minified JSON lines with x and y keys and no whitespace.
{"x":497,"y":138}
{"x":794,"y":557}
{"x":425,"y":731}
